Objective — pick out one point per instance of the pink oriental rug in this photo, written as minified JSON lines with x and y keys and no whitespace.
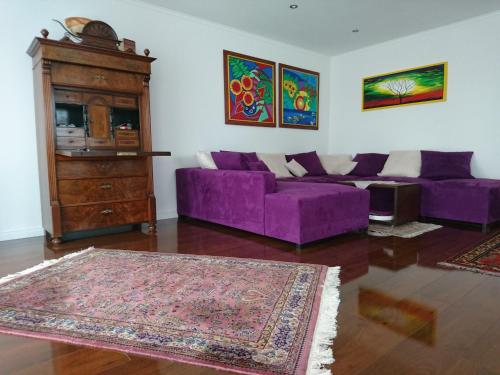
{"x":243,"y":315}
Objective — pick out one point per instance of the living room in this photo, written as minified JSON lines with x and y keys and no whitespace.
{"x":408,"y":297}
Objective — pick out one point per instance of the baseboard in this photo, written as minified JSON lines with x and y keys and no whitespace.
{"x":37,"y":231}
{"x":21,"y":233}
{"x":167,"y":214}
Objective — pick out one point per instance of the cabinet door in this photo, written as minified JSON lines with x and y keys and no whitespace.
{"x":98,"y":121}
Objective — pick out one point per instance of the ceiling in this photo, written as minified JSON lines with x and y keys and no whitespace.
{"x":326,"y":26}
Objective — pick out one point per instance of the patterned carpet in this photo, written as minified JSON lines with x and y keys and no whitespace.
{"x":484,"y":258}
{"x":250,"y":316}
{"x":408,"y":230}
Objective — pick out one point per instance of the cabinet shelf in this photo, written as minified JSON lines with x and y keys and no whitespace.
{"x":110,"y":153}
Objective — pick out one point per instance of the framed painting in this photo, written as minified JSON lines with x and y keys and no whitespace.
{"x":249,"y":90}
{"x":299,"y":98}
{"x":424,"y":84}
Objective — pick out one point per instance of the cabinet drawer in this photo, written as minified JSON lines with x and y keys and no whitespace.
{"x":119,"y":133}
{"x":100,"y":142}
{"x":130,"y":143}
{"x":70,"y":97}
{"x":77,"y":169}
{"x":70,"y":142}
{"x":70,"y":132}
{"x":102,"y":190}
{"x":96,"y":78}
{"x":103,"y":215}
{"x":97,"y":99}
{"x":125,"y":102}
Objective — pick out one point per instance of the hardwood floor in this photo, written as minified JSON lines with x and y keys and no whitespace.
{"x":400,"y":313}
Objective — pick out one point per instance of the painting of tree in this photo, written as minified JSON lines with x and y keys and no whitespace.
{"x":425,"y":84}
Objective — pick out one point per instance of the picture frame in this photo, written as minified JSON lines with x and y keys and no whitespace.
{"x":299,"y":98}
{"x":419,"y":85}
{"x":249,"y":90}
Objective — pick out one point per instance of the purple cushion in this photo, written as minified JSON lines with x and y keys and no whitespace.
{"x":437,"y":165}
{"x":310,"y":161}
{"x":247,"y":156}
{"x":229,"y":161}
{"x":369,"y":164}
{"x":257,"y":166}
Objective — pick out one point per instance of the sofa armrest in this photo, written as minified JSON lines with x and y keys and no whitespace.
{"x":234,"y":198}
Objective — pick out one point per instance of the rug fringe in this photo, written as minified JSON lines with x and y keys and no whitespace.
{"x":42,"y":265}
{"x":326,"y":327}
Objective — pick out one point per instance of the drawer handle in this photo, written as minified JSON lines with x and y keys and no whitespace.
{"x":70,"y":131}
{"x":106,"y":186}
{"x":107,"y":211}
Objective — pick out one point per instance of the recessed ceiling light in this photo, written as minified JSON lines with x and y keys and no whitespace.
{"x":293,"y":6}
{"x":355,"y":30}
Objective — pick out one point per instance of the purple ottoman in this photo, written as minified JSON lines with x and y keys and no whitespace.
{"x":473,"y":200}
{"x":304,"y":212}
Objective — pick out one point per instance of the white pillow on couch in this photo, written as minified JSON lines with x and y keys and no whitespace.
{"x":402,"y":164}
{"x":205,"y":160}
{"x":337,"y":163}
{"x":296,"y":168}
{"x":275,"y":163}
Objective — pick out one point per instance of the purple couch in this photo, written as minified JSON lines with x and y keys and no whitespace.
{"x":254,"y":201}
{"x":475,"y":200}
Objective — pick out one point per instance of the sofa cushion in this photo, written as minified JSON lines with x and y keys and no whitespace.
{"x":304,"y":212}
{"x":276,"y":164}
{"x":437,"y":165}
{"x":369,"y":164}
{"x":257,"y":166}
{"x":205,"y":160}
{"x":295,"y":168}
{"x":473,"y":200}
{"x":310,"y":161}
{"x":402,"y":164}
{"x":337,"y":164}
{"x":229,"y":161}
{"x":247,"y":156}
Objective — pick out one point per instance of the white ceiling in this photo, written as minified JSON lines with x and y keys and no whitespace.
{"x":326,"y":26}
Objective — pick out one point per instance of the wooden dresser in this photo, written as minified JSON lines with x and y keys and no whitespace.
{"x":93,"y":137}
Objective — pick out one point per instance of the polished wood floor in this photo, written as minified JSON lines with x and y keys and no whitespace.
{"x":400,"y":313}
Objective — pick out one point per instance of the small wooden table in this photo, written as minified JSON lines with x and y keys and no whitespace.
{"x":406,"y":203}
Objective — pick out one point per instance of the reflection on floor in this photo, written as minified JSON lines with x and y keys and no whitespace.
{"x":400,"y":312}
{"x":412,"y":319}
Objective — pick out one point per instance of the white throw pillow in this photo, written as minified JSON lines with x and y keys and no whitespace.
{"x":337,"y":164}
{"x":296,"y":168}
{"x":205,"y":160}
{"x":275,"y":163}
{"x":402,"y":164}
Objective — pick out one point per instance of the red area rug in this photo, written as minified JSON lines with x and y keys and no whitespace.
{"x":248,"y":316}
{"x":484,"y":258}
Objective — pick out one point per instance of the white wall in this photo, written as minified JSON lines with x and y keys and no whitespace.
{"x":468,"y":120}
{"x":186,"y":87}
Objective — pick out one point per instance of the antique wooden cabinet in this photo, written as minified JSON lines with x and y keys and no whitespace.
{"x":93,"y":137}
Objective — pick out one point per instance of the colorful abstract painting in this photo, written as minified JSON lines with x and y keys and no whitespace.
{"x":249,"y":90}
{"x":299,"y":98}
{"x":425,"y":84}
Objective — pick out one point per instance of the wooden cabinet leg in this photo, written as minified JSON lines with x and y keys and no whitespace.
{"x":152,"y":228}
{"x":56,"y":241}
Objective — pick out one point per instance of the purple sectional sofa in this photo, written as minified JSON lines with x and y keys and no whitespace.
{"x":474,"y":200}
{"x":255,"y":201}
{"x":315,"y":206}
